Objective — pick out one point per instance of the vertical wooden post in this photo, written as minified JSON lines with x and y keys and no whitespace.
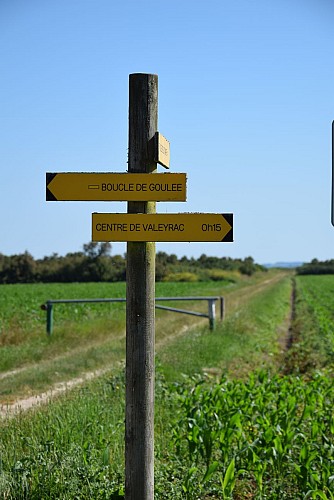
{"x":140,"y":305}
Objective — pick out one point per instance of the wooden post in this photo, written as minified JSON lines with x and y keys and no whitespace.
{"x":140,"y":305}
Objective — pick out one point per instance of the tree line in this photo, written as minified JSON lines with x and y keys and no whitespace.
{"x":317,"y":267}
{"x":96,"y":264}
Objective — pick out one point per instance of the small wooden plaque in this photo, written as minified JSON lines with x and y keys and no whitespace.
{"x":162,"y":152}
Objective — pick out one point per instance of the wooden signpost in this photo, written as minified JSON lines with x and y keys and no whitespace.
{"x":141,"y":227}
{"x":140,"y":301}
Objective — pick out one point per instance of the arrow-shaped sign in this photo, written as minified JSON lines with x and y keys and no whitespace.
{"x":162,"y":227}
{"x":87,"y":186}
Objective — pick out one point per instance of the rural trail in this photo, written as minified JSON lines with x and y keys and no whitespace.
{"x":236,"y":299}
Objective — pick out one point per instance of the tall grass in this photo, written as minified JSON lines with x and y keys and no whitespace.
{"x":312,"y":334}
{"x":86,"y":337}
{"x":71,"y":448}
{"x":22,"y":322}
{"x":248,"y":339}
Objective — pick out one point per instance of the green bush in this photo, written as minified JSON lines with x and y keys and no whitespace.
{"x":216,"y":275}
{"x":181,"y":277}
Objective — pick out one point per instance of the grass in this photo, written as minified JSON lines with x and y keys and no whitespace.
{"x":38,"y":377}
{"x":247,"y":340}
{"x":70,"y":449}
{"x":266,"y":437}
{"x":86,"y":337}
{"x":312,"y":329}
{"x":74,"y":446}
{"x":22,"y":322}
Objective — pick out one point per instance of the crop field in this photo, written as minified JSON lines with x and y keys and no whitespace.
{"x":20,"y":304}
{"x":245,"y":411}
{"x":85,"y":336}
{"x":317,"y":295}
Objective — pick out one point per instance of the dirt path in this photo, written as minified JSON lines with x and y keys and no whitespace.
{"x":235,"y":300}
{"x":26,"y":403}
{"x":10,"y":410}
{"x":238,"y":297}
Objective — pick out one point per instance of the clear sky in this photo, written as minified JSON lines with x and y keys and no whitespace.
{"x":246,"y":99}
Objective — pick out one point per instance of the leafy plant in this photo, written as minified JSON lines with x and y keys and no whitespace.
{"x":276,"y":431}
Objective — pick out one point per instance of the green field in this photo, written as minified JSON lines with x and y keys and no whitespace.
{"x":313,"y":326}
{"x":85,"y":337}
{"x":238,"y":414}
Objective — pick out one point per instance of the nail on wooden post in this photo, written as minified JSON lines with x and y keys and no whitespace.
{"x":140,"y":305}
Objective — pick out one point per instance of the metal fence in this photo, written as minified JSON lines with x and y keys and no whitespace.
{"x":211,"y":314}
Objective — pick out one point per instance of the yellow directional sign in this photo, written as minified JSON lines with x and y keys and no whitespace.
{"x":162,"y":227}
{"x":83,"y":186}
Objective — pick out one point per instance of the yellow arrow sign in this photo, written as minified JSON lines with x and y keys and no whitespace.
{"x":82,"y":186}
{"x":162,"y":227}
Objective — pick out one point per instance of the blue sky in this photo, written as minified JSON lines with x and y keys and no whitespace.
{"x":246,"y":99}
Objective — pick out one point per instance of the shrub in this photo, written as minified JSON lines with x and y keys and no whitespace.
{"x":181,"y":277}
{"x":216,"y":275}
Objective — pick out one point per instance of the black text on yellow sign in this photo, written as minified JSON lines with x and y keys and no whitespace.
{"x":87,"y":186}
{"x":162,"y":227}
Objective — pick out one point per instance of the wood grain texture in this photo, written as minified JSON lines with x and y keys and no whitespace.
{"x":140,"y":294}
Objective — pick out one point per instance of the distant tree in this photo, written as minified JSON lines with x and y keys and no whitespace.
{"x":48,"y":268}
{"x":248,"y":267}
{"x":317,"y":267}
{"x":160,"y":271}
{"x":2,"y":261}
{"x":162,"y":258}
{"x":19,"y":268}
{"x":202,"y":260}
{"x":71,"y":266}
{"x":172,"y":259}
{"x":117,"y":270}
{"x":161,"y":265}
{"x":94,"y":249}
{"x":95,"y":263}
